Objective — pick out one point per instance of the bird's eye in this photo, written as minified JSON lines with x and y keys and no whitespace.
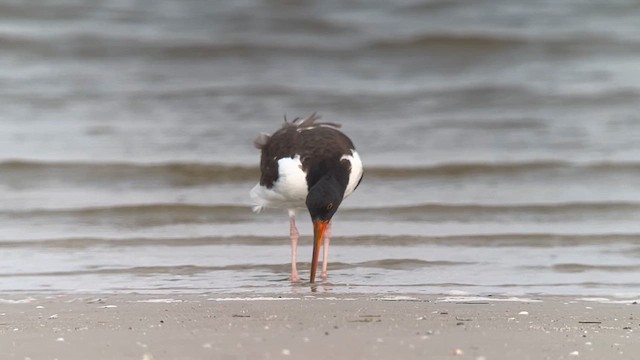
{"x":330,"y":206}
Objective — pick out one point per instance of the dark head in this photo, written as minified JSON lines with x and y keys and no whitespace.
{"x":323,"y":201}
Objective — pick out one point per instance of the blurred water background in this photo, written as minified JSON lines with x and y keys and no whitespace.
{"x":501,"y":140}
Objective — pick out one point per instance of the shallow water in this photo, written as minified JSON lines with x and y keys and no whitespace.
{"x":500,"y":142}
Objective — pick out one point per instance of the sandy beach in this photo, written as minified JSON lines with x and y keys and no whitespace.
{"x":315,"y":327}
{"x":499,"y":140}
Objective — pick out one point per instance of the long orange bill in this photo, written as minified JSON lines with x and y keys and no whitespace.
{"x":319,"y":228}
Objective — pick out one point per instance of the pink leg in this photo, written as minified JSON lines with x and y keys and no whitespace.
{"x":294,"y":235}
{"x":325,"y":259}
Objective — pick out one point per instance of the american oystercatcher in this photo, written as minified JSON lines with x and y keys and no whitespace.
{"x":307,"y":164}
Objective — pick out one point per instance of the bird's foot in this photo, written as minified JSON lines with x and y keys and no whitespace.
{"x":324,"y":275}
{"x":294,"y":278}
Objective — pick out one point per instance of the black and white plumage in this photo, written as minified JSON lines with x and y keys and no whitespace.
{"x":307,"y":164}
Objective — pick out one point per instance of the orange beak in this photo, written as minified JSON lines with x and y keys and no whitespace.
{"x":319,"y":228}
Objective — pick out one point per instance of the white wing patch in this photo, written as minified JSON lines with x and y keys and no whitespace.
{"x":289,"y":191}
{"x":356,"y":171}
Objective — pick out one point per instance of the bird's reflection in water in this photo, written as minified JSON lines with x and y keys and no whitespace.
{"x":324,"y":286}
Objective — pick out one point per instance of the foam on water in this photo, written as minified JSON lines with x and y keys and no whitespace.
{"x":471,"y":299}
{"x":255,"y":298}
{"x":17,"y":301}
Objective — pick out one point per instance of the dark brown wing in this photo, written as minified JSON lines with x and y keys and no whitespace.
{"x":321,"y":152}
{"x":316,"y":143}
{"x":275,"y":147}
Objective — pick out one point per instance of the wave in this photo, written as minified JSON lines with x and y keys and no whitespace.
{"x":550,"y":209}
{"x":387,"y":264}
{"x":577,"y":268}
{"x":183,"y":174}
{"x":365,"y":97}
{"x":148,"y":209}
{"x":497,"y":168}
{"x":205,"y":212}
{"x":160,"y":214}
{"x":490,"y":124}
{"x":362,"y":97}
{"x":171,"y":173}
{"x":104,"y":45}
{"x":467,"y":41}
{"x":118,"y":45}
{"x":498,"y":240}
{"x":138,"y":216}
{"x":490,"y":42}
{"x":581,"y":268}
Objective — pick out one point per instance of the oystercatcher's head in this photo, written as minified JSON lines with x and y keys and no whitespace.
{"x":323,"y":200}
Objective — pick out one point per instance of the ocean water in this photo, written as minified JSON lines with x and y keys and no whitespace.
{"x":500,"y":138}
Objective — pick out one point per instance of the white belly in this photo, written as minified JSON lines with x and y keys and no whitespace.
{"x":289,"y":191}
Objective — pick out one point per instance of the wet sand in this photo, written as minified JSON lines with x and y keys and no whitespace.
{"x":314,"y":327}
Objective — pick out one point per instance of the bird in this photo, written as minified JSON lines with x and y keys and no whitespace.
{"x":307,"y":164}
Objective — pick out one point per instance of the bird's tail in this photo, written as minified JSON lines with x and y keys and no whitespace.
{"x":257,"y":208}
{"x":261,"y":140}
{"x":258,"y":201}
